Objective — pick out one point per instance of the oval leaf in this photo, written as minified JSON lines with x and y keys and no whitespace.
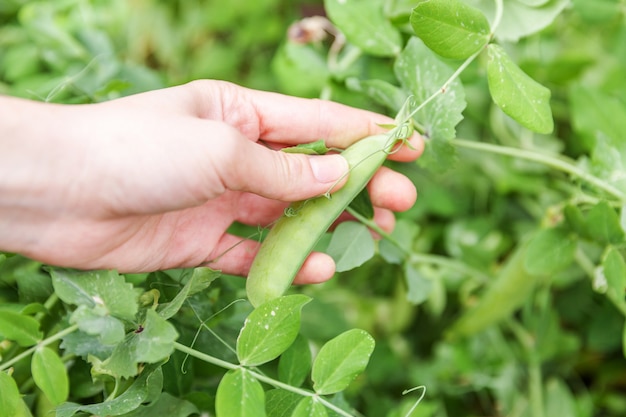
{"x":549,"y":251}
{"x":281,"y":403}
{"x":270,"y":329}
{"x":450,"y":28}
{"x":604,"y":224}
{"x":518,"y":95}
{"x":10,"y":398}
{"x":309,"y":407}
{"x":106,"y":289}
{"x":50,"y":375}
{"x":24,"y":330}
{"x":364,"y":24}
{"x":351,"y":246}
{"x":295,"y":363}
{"x":239,"y":395}
{"x":340,"y":360}
{"x":615,"y":271}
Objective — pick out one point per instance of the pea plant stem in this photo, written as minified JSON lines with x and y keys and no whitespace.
{"x":43,"y":343}
{"x":558,"y":163}
{"x":263,"y":378}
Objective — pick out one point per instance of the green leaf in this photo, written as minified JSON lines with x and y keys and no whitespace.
{"x":380,"y":91}
{"x":518,"y":95}
{"x":295,"y":363}
{"x":10,"y":398}
{"x":422,"y":73}
{"x":559,"y":399}
{"x":312,"y":148}
{"x":362,"y":204}
{"x":604,"y":224}
{"x":522,"y":18}
{"x":165,"y":405}
{"x":309,"y":407}
{"x":50,"y":375}
{"x":270,"y":329}
{"x":150,"y":343}
{"x":418,"y":286}
{"x":104,"y":288}
{"x":594,"y":112}
{"x":550,"y":251}
{"x":281,"y":403}
{"x":450,"y":28}
{"x":351,"y":245}
{"x":576,"y":220}
{"x":340,"y":360}
{"x":143,"y":387}
{"x":301,"y":70}
{"x":200,"y":279}
{"x":24,"y":330}
{"x":364,"y":24}
{"x":614,"y":269}
{"x":239,"y":395}
{"x":95,"y":321}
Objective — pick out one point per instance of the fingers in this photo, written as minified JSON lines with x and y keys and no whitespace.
{"x":287,"y":120}
{"x":392,"y":190}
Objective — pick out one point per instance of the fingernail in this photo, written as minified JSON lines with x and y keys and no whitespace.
{"x":328,"y":168}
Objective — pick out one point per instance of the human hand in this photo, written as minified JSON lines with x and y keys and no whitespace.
{"x":153,"y":181}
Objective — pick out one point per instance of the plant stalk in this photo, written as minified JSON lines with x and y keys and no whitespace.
{"x":231,"y":366}
{"x":558,"y":163}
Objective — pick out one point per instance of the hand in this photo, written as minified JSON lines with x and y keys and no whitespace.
{"x":153,"y":181}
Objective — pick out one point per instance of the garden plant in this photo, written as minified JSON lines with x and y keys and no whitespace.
{"x":500,"y":293}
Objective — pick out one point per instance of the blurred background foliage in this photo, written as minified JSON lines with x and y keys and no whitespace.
{"x":563,"y":349}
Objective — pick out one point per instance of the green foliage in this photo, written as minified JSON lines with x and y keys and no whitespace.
{"x":500,"y":293}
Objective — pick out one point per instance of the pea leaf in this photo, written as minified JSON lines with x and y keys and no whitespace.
{"x":604,"y":224}
{"x":351,"y":245}
{"x":295,"y":363}
{"x":239,"y":395}
{"x":10,"y":398}
{"x":362,"y":204}
{"x":364,"y":24}
{"x":165,"y":405}
{"x":381,"y":91}
{"x":50,"y":375}
{"x":96,"y":321}
{"x":522,"y":18}
{"x":143,"y":387}
{"x":105,"y":288}
{"x":418,"y":286}
{"x":281,"y":403}
{"x":549,"y":251}
{"x":270,"y":329}
{"x":150,"y":343}
{"x":340,"y":360}
{"x":422,"y":73}
{"x":614,"y":269}
{"x":309,"y":407}
{"x":518,"y":95}
{"x":200,"y":279}
{"x":24,"y":330}
{"x":450,"y":28}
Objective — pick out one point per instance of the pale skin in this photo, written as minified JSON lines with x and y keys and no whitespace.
{"x":153,"y":181}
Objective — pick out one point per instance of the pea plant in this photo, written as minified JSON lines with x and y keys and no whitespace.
{"x":500,"y":293}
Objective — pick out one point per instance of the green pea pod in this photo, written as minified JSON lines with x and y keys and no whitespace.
{"x":295,"y":234}
{"x":508,"y":292}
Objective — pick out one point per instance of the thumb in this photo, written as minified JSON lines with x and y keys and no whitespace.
{"x":284,"y":176}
